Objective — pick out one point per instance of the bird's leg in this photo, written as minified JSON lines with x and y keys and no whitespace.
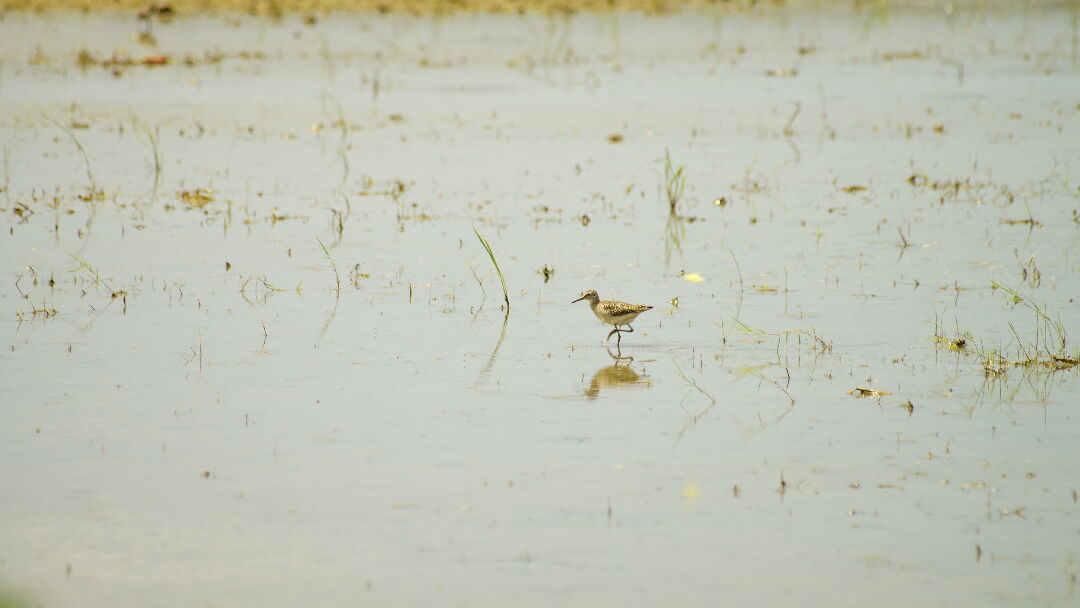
{"x":618,"y":343}
{"x":614,"y":331}
{"x":629,"y":331}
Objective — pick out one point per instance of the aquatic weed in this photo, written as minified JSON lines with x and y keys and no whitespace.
{"x":333,"y":264}
{"x":674,"y":182}
{"x":491,"y":254}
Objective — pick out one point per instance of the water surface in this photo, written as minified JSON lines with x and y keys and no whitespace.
{"x":197,"y":412}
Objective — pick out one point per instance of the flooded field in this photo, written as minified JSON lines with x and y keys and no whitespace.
{"x":255,"y":354}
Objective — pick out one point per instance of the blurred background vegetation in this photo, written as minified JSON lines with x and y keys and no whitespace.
{"x":431,"y":7}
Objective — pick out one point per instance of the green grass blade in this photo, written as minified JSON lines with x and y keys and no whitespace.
{"x":333,"y":265}
{"x":743,"y":327}
{"x":491,"y":254}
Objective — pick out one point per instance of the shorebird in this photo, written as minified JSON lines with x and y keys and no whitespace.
{"x":613,"y":313}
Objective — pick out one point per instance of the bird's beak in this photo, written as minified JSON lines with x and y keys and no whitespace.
{"x":579,"y":299}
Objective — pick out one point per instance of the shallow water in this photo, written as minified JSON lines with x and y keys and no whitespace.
{"x":233,"y":429}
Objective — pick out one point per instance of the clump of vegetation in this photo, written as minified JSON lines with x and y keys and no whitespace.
{"x":674,"y":183}
{"x":1049,"y":351}
{"x":960,"y":341}
{"x":44,"y":310}
{"x":491,"y":254}
{"x":98,"y":279}
{"x":1051,"y":345}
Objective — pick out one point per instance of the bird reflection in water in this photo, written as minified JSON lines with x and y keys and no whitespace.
{"x":619,"y":375}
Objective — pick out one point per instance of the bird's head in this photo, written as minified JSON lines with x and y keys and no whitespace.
{"x":590,"y":295}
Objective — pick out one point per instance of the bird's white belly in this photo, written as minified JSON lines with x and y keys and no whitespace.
{"x":617,"y":319}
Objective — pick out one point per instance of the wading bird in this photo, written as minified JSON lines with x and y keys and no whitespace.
{"x":613,"y":313}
